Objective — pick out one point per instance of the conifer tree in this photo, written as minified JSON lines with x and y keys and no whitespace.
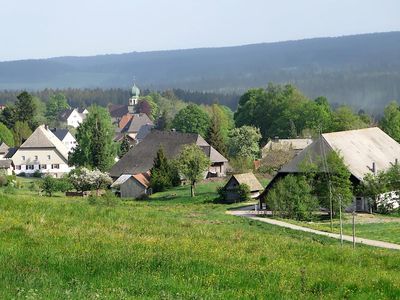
{"x":160,"y":173}
{"x":215,"y":137}
{"x":124,"y":147}
{"x":95,"y":138}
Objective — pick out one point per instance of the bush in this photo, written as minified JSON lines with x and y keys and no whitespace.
{"x":3,"y":181}
{"x":291,"y":197}
{"x":143,"y":197}
{"x":37,"y":174}
{"x":49,"y":185}
{"x":22,"y":174}
{"x":108,"y":199}
{"x":243,"y":191}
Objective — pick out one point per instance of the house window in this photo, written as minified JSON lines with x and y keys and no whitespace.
{"x":30,"y":167}
{"x":23,"y":157}
{"x":43,"y":167}
{"x":17,"y":167}
{"x":36,"y":158}
{"x":48,"y":157}
{"x":55,"y":166}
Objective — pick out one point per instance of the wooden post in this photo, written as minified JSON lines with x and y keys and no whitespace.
{"x":341,"y":223}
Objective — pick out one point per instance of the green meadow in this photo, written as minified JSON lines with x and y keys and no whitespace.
{"x":174,"y":247}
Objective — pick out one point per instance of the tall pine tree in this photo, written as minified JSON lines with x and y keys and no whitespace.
{"x":95,"y":137}
{"x":215,"y":137}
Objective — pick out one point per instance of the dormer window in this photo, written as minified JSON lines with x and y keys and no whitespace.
{"x":23,"y":157}
{"x":48,"y":157}
{"x":36,"y":158}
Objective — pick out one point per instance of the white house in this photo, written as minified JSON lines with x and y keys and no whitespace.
{"x":43,"y":152}
{"x":73,"y":116}
{"x":65,"y":137}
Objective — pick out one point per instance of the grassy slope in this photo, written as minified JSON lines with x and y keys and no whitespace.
{"x":173,"y":247}
{"x":384,"y":229}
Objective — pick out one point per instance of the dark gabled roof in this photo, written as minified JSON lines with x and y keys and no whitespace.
{"x":11,"y":152}
{"x":117,"y":110}
{"x":60,"y":133}
{"x":140,"y":158}
{"x":63,"y":116}
{"x":144,"y":131}
{"x":136,"y":122}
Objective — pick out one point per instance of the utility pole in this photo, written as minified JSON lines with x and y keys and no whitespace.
{"x":340,"y":219}
{"x":354,"y":229}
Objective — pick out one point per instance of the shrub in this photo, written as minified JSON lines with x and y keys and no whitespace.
{"x":243,"y":191}
{"x":49,"y":185}
{"x":3,"y":181}
{"x":22,"y":174}
{"x":37,"y":174}
{"x":143,"y":197}
{"x":84,"y":179}
{"x":291,"y":197}
{"x":107,"y":199}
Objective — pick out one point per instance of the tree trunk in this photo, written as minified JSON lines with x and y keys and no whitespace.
{"x":192,"y":187}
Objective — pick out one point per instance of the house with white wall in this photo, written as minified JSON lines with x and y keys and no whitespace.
{"x":42,"y":152}
{"x":73,"y":116}
{"x":65,"y":137}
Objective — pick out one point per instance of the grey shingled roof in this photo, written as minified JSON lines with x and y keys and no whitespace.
{"x":359,"y":148}
{"x":44,"y":138}
{"x":136,"y":123}
{"x":4,"y":148}
{"x":65,"y":114}
{"x":140,"y":158}
{"x":144,"y":131}
{"x":249,"y":179}
{"x":5,"y":163}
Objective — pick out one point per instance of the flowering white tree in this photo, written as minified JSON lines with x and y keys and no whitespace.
{"x":84,"y":179}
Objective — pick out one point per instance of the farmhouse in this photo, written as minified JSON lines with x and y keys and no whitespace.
{"x":364,"y":151}
{"x":133,"y":186}
{"x":73,"y":116}
{"x":231,"y":187}
{"x":42,"y":152}
{"x":140,"y":158}
{"x":65,"y":137}
{"x":276,"y":144}
{"x":131,"y":125}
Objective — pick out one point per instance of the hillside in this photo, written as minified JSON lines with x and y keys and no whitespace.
{"x":361,"y":70}
{"x":174,"y":247}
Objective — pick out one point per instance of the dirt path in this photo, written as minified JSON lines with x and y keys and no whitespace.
{"x":243,"y":212}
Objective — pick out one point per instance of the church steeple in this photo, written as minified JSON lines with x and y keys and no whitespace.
{"x":133,"y":100}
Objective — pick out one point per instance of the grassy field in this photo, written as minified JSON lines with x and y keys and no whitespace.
{"x":376,"y":227}
{"x":174,"y":247}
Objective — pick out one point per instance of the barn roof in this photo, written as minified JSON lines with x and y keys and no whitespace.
{"x":287,"y":144}
{"x":140,"y":158}
{"x":142,"y":178}
{"x":249,"y":179}
{"x":359,"y":148}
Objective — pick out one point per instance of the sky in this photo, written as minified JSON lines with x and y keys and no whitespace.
{"x":50,"y":28}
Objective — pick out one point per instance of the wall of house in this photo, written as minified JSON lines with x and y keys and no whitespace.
{"x":48,"y":161}
{"x":218,"y":168}
{"x":74,"y":119}
{"x":132,"y":189}
{"x":69,"y":141}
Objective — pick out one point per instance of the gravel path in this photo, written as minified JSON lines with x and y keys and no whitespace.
{"x":242,"y":212}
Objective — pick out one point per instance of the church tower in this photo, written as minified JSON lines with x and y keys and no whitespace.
{"x":133,"y":100}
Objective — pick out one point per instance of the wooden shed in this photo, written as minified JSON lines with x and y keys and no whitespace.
{"x":133,"y":186}
{"x":231,"y":194}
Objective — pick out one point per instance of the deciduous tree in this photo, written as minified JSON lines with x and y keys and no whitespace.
{"x":192,"y":119}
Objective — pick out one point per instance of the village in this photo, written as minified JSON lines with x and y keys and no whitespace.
{"x":200,"y":150}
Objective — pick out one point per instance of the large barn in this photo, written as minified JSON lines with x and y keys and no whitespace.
{"x":364,"y":151}
{"x":140,"y":158}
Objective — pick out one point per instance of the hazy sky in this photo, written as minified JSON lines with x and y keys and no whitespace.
{"x":48,"y":28}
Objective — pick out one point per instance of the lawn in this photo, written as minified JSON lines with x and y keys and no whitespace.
{"x":174,"y":247}
{"x":376,"y":227}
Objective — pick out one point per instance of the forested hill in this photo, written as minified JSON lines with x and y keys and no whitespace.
{"x":361,"y":70}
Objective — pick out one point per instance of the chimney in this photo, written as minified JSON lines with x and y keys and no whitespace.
{"x":374,"y":168}
{"x":396,"y":161}
{"x":276,"y":138}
